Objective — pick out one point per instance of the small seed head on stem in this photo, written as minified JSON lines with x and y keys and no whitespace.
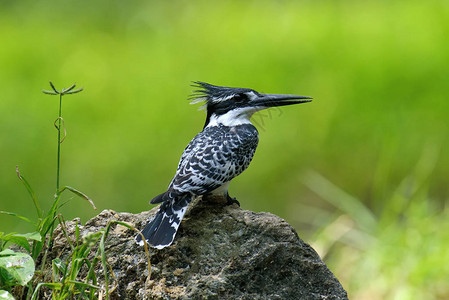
{"x":65,"y":91}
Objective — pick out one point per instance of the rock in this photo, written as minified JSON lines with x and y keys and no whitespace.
{"x":220,"y":252}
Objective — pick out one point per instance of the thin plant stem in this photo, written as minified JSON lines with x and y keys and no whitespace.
{"x":59,"y":145}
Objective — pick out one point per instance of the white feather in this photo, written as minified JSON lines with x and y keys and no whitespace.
{"x":234,"y":117}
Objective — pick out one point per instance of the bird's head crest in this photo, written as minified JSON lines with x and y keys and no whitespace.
{"x":211,"y":94}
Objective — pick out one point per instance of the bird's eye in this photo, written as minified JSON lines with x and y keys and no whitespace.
{"x":240,"y":97}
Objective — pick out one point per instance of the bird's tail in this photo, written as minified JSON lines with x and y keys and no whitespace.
{"x":162,"y":228}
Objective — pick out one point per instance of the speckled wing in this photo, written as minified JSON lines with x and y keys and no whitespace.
{"x":215,"y":156}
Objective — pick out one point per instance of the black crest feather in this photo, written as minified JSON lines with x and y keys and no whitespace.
{"x":207,"y":92}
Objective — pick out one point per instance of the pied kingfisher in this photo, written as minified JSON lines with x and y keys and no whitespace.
{"x":214,"y":157}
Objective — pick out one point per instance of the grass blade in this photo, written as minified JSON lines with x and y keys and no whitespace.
{"x":30,"y":191}
{"x":55,"y":286}
{"x":78,"y":193}
{"x":342,"y":200}
{"x":16,"y":215}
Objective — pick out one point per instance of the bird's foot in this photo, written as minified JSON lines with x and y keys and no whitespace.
{"x":232,"y":201}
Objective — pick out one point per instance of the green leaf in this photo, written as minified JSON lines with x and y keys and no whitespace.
{"x":5,"y":295}
{"x":35,"y":236}
{"x":15,"y":268}
{"x":22,"y":239}
{"x":18,"y":240}
{"x":58,"y":267}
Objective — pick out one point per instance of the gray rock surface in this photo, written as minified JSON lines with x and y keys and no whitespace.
{"x":220,"y":252}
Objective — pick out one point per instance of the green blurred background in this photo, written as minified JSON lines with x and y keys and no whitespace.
{"x":361,"y":172}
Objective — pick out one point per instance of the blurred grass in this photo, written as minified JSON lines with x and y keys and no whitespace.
{"x":378,"y":72}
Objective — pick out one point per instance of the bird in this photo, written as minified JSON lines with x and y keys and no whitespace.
{"x":216,"y":155}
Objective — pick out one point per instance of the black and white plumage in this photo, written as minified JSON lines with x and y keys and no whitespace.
{"x":216,"y":155}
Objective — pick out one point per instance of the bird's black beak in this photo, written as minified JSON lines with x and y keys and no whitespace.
{"x":272,"y":100}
